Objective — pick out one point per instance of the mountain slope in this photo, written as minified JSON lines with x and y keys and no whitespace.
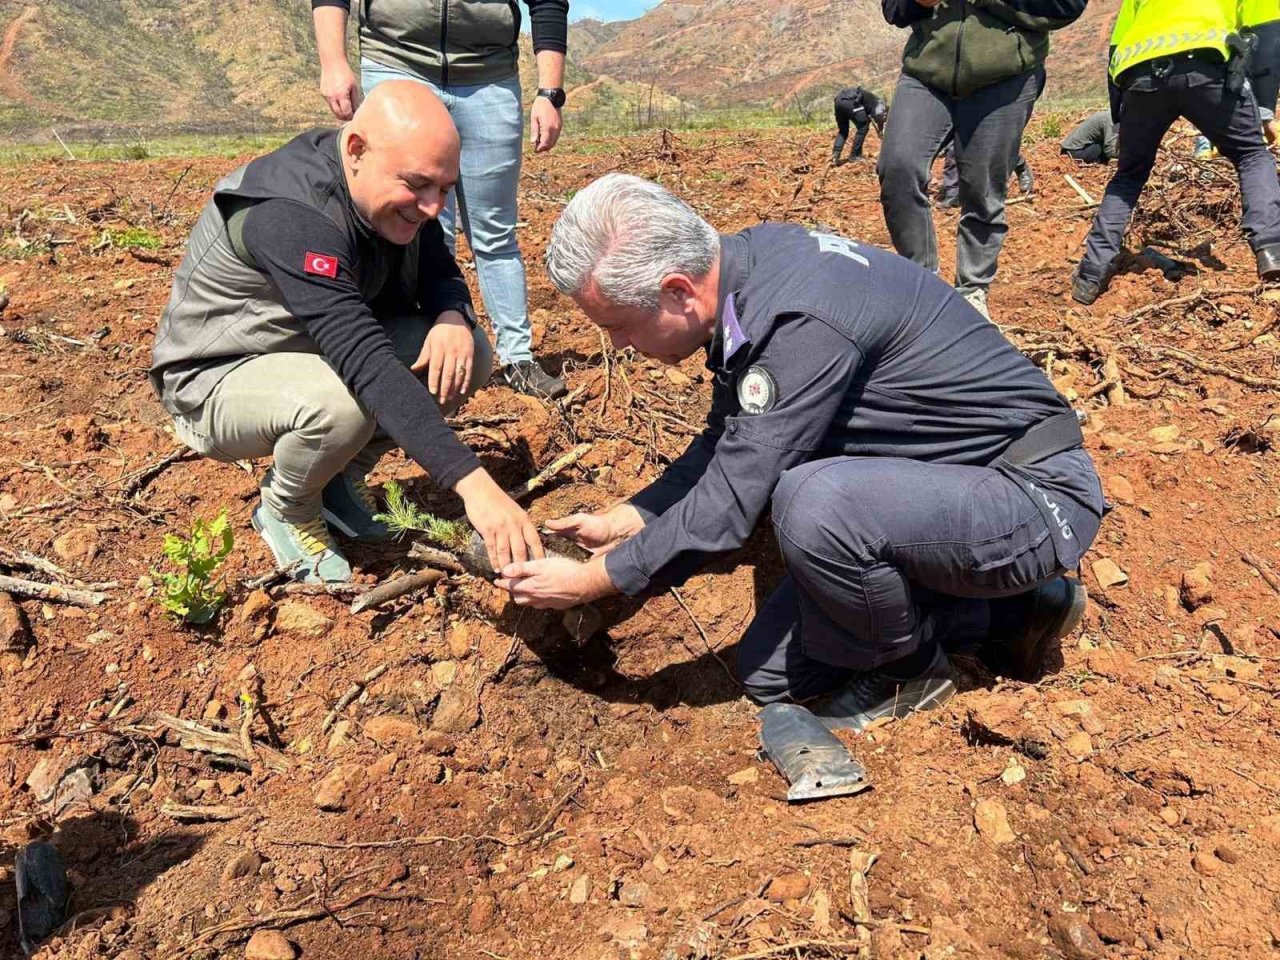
{"x":771,"y":51}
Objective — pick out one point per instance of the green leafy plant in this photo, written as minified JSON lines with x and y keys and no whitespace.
{"x":196,"y":591}
{"x":137,"y":237}
{"x":1051,"y":127}
{"x":404,"y":516}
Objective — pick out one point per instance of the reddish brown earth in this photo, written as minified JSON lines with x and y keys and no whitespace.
{"x":514,"y":795}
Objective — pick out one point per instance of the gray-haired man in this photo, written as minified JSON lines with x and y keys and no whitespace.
{"x":926,"y":481}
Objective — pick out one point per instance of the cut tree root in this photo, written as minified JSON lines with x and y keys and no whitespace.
{"x":543,"y":477}
{"x":53,"y":592}
{"x":349,"y":697}
{"x":1263,"y":569}
{"x":1204,"y":366}
{"x":149,"y":473}
{"x":440,"y":559}
{"x":386,"y":592}
{"x":189,"y":814}
{"x":193,"y":736}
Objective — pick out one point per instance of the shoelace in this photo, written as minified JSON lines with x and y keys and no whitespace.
{"x":314,"y":536}
{"x":361,"y":487}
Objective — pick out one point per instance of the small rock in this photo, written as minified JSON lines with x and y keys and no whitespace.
{"x":787,"y":886}
{"x":1110,"y":927}
{"x":79,"y":544}
{"x":1079,"y":745}
{"x":340,"y":736}
{"x":992,"y":821}
{"x":393,"y":872}
{"x":887,"y":941}
{"x":625,"y":929}
{"x":1170,"y":816}
{"x":635,"y":893}
{"x":1074,"y":937}
{"x":15,"y":633}
{"x":1165,"y":434}
{"x":458,"y":710}
{"x":390,"y":729}
{"x":563,"y":862}
{"x":744,"y":776}
{"x":1108,"y":574}
{"x":335,"y":791}
{"x":383,"y":768}
{"x":1196,"y":589}
{"x":244,"y":864}
{"x":444,"y":671}
{"x":1227,"y":853}
{"x":215,"y":710}
{"x":459,"y":641}
{"x":1120,"y":489}
{"x":481,"y":915}
{"x":677,"y":378}
{"x":269,"y":945}
{"x":300,"y":619}
{"x":580,"y":890}
{"x":1206,"y":864}
{"x":1014,"y":773}
{"x":255,"y":606}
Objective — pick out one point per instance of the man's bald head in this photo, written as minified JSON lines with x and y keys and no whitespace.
{"x":400,"y":154}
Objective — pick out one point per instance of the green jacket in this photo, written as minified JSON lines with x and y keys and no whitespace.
{"x":961,"y":46}
{"x":445,"y":41}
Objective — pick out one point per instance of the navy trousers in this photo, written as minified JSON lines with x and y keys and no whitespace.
{"x":1194,"y":89}
{"x":884,"y":555}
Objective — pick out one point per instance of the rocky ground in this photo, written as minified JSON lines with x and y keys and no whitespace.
{"x":446,"y":776}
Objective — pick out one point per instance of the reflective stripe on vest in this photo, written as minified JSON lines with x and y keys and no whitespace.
{"x":1175,"y":42}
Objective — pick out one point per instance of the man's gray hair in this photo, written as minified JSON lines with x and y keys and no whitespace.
{"x":626,"y":234}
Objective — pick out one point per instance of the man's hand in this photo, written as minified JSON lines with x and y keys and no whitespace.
{"x":544,"y":124}
{"x":599,"y":532}
{"x":556,"y":583}
{"x":509,"y":534}
{"x":447,"y":355}
{"x":340,"y":89}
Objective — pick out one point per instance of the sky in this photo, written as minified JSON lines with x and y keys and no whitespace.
{"x":608,"y":9}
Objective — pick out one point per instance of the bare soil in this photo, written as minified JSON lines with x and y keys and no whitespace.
{"x":505,"y":792}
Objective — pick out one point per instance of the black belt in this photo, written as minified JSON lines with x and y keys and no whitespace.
{"x":1055,"y":434}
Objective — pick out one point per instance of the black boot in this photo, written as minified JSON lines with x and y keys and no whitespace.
{"x":921,"y":681}
{"x":1269,"y":262}
{"x":527,"y":376}
{"x":1023,"y":627}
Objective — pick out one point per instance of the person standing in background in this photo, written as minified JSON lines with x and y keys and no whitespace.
{"x":467,"y":54}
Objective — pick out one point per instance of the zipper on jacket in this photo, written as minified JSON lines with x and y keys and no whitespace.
{"x":955,"y":76}
{"x":444,"y":43}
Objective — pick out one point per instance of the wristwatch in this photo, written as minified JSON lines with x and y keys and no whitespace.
{"x":554,"y":94}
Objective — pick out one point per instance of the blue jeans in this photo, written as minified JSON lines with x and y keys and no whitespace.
{"x":490,"y":122}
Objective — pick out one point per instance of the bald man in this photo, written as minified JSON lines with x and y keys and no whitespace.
{"x":319,"y":318}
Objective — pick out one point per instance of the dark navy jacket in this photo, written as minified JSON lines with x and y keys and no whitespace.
{"x":864,"y":353}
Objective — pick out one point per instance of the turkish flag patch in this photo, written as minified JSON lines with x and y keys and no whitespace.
{"x":321,"y":264}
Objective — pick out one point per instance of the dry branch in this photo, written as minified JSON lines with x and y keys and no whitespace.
{"x":440,"y":559}
{"x":1264,"y":571}
{"x":189,"y":814}
{"x":54,"y":592}
{"x":543,"y":477}
{"x":349,"y":697}
{"x":386,"y":592}
{"x":193,"y":736}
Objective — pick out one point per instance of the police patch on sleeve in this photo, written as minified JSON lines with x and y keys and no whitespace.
{"x":757,"y":391}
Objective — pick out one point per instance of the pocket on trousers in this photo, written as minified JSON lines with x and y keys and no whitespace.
{"x":1005,"y":525}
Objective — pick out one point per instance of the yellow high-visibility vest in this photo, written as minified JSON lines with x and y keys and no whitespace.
{"x":1147,"y":29}
{"x":1256,"y":12}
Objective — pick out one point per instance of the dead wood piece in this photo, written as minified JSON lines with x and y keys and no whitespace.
{"x":1184,"y":300}
{"x":1204,"y":366}
{"x":22,"y":560}
{"x":440,"y":559}
{"x":830,"y":842}
{"x":144,"y":476}
{"x":144,"y":256}
{"x":192,"y":814}
{"x":1264,"y":571}
{"x":342,"y":590}
{"x":54,"y":592}
{"x":349,"y":697}
{"x":193,"y":736}
{"x":543,"y":477}
{"x":1116,"y":395}
{"x":1084,"y":194}
{"x":258,"y":582}
{"x":386,"y":592}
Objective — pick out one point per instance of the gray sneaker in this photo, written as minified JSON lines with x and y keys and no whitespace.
{"x":349,"y":506}
{"x":306,"y":549}
{"x":977,"y":298}
{"x":527,"y":376}
{"x":873,"y":694}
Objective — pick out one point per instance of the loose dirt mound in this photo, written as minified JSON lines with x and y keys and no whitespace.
{"x":493,"y":789}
